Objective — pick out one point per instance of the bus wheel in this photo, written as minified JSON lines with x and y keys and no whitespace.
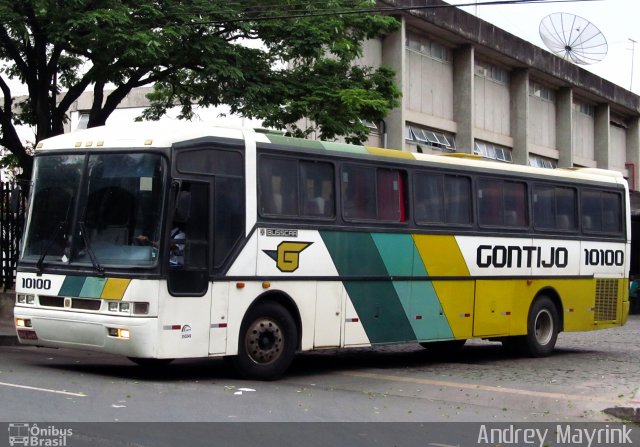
{"x":444,"y":347}
{"x":267,"y":343}
{"x":542,"y":328}
{"x":150,"y":363}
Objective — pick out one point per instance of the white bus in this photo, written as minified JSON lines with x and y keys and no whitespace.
{"x":159,"y":242}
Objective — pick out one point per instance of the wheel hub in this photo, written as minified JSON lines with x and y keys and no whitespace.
{"x":264,"y":341}
{"x":544,"y":327}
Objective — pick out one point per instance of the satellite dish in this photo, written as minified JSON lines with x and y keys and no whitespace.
{"x":573,"y":38}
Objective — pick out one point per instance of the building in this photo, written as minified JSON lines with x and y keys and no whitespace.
{"x":471,"y":87}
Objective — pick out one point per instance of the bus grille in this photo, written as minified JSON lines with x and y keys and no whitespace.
{"x":606,"y":300}
{"x":76,"y":303}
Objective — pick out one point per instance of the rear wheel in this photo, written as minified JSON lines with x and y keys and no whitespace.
{"x":543,"y":325}
{"x":267,"y":343}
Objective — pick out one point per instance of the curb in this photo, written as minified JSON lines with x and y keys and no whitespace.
{"x":9,"y":340}
{"x":630,"y":414}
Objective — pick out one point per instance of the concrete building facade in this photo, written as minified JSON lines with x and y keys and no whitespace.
{"x":471,"y":87}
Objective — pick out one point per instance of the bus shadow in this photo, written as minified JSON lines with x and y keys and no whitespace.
{"x":319,"y":362}
{"x":314,"y":363}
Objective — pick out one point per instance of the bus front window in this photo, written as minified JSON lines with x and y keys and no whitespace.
{"x":90,"y":209}
{"x":57,"y":179}
{"x":123,"y":202}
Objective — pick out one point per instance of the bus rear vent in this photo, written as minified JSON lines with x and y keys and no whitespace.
{"x":606,"y":300}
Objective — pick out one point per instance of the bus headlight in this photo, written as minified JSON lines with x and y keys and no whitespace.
{"x":25,"y":298}
{"x":127,"y":307}
{"x":23,"y":322}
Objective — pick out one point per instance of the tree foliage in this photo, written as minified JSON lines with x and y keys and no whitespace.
{"x":276,"y":60}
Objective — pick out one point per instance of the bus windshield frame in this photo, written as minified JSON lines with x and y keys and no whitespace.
{"x":97,"y":210}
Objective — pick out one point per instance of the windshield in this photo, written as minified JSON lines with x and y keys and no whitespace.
{"x":118,"y":200}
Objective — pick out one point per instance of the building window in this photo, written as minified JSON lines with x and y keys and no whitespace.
{"x":584,"y":108}
{"x":83,"y":120}
{"x":427,"y":47}
{"x":542,"y":92}
{"x":542,"y":162}
{"x":492,"y":72}
{"x":435,"y":139}
{"x":492,"y":151}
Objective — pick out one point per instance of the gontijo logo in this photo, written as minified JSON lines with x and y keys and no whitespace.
{"x":287,"y":256}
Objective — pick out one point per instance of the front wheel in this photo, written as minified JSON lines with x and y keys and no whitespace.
{"x":267,"y":343}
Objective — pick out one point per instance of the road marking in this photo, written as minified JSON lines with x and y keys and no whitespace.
{"x":46,"y":390}
{"x":477,"y":386}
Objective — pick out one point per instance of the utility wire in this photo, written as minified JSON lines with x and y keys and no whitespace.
{"x":294,"y":14}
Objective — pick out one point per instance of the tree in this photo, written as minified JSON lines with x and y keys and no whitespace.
{"x":276,"y":60}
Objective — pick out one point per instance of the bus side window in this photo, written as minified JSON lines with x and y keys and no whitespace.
{"x":602,"y":211}
{"x":317,"y":189}
{"x":390,"y":195}
{"x":429,"y":198}
{"x":457,"y":199}
{"x":490,"y":209}
{"x":358,"y":192}
{"x":278,"y":186}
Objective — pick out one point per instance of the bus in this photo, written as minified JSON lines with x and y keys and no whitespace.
{"x":292,"y":245}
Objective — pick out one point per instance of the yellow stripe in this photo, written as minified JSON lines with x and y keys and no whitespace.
{"x":390,"y":153}
{"x":115,"y":288}
{"x":441,"y":255}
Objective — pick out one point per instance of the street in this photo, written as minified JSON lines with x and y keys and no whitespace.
{"x":589,"y":372}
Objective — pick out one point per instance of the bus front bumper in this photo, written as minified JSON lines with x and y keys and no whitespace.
{"x":128,"y":336}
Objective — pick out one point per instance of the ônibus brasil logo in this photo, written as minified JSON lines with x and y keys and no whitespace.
{"x":33,"y":435}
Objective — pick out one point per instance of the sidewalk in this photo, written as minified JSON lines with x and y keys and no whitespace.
{"x":7,"y":330}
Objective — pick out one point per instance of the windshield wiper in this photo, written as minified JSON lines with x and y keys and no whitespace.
{"x":53,"y":238}
{"x":92,"y":255}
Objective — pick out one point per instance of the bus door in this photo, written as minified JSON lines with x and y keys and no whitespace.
{"x":184,"y":310}
{"x":213,"y":172}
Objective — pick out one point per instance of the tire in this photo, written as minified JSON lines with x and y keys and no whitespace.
{"x":267,"y":342}
{"x":150,"y":363}
{"x":444,"y":347}
{"x":543,"y":325}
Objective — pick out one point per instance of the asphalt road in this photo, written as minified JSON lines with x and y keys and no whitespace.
{"x":588,"y":374}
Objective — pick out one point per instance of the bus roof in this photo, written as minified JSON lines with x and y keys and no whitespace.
{"x":165,"y":134}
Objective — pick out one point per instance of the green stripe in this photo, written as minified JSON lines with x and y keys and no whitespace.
{"x":376,"y":302}
{"x":72,"y":286}
{"x":418,"y":298}
{"x":93,"y":287}
{"x":295,"y":142}
{"x":315,"y":144}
